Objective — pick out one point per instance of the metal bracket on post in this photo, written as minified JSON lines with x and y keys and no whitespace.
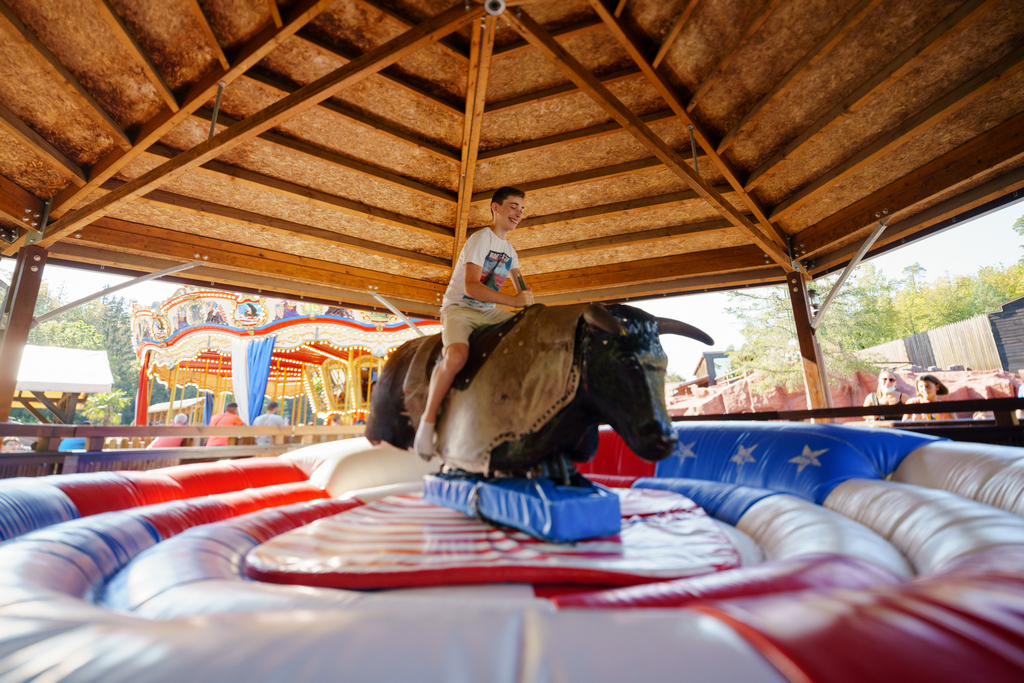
{"x":36,"y":236}
{"x":216,"y":108}
{"x":854,"y":262}
{"x":693,"y":149}
{"x":394,"y":310}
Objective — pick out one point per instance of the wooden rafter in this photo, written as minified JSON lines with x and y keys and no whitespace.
{"x":748,"y":31}
{"x":630,"y":122}
{"x":605,"y":211}
{"x":34,"y":142}
{"x":631,"y":239}
{"x":290,"y":190}
{"x":262,"y":223}
{"x":479,"y":67}
{"x":275,"y":13}
{"x":446,"y":43}
{"x":923,"y":121}
{"x":211,"y":38}
{"x":820,"y":50}
{"x":557,"y":91}
{"x":18,"y":203}
{"x":923,"y":48}
{"x":127,"y":40}
{"x":27,"y":404}
{"x":584,"y":26}
{"x":619,"y":7}
{"x":766,"y":229}
{"x":673,"y":32}
{"x":70,"y":85}
{"x":260,"y":122}
{"x":360,"y":119}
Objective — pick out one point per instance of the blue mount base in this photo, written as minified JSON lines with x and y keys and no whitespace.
{"x":539,"y":507}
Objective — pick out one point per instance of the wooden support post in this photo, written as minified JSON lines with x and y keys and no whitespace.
{"x":16,"y":321}
{"x":815,"y":375}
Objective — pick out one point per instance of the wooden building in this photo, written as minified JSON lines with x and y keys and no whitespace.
{"x":356,"y":143}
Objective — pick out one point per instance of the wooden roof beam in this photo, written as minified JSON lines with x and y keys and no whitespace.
{"x":265,"y":183}
{"x":307,"y":96}
{"x":557,"y":91}
{"x":916,"y":125}
{"x":341,"y":161}
{"x":765,"y":228}
{"x":211,"y":38}
{"x":820,"y":50}
{"x":34,"y":142}
{"x":353,"y":116}
{"x":447,"y":43}
{"x":19,"y":203}
{"x":940,"y":34}
{"x":630,"y":122}
{"x":748,"y":31}
{"x":673,"y":32}
{"x":275,"y":13}
{"x":252,"y":52}
{"x":133,"y":48}
{"x":585,"y":26}
{"x":590,"y":213}
{"x":255,"y":221}
{"x":630,"y":239}
{"x":70,"y":85}
{"x":482,"y":43}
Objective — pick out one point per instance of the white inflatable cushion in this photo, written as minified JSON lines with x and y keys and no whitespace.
{"x":931,"y":527}
{"x":989,"y":474}
{"x":343,"y":466}
{"x":787,"y":527}
{"x":750,"y":552}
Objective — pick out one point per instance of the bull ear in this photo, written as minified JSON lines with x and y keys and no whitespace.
{"x":598,"y":316}
{"x":670,"y":326}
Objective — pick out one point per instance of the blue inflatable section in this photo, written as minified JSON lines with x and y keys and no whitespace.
{"x":539,"y":507}
{"x":727,"y":502}
{"x":27,"y":504}
{"x":808,"y":460}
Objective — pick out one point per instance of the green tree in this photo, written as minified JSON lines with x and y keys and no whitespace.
{"x":106,"y":408}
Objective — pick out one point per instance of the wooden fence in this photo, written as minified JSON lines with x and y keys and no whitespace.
{"x":969,"y":343}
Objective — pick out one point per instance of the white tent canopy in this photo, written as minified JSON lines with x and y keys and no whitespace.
{"x":73,"y":371}
{"x":178,"y":405}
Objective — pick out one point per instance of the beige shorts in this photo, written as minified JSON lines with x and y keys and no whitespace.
{"x":458,"y":322}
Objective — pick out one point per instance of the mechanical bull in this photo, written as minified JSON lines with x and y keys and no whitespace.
{"x":535,"y":389}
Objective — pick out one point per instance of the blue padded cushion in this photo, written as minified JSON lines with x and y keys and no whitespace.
{"x":27,"y":504}
{"x":727,"y":502}
{"x":807,"y":460}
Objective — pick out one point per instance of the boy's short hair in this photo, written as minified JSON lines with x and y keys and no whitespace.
{"x":503,"y":193}
{"x":272,"y":405}
{"x":231,"y":405}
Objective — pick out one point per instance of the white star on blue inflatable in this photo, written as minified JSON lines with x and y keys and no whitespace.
{"x":743,"y":456}
{"x":684,"y":451}
{"x":808,"y":457}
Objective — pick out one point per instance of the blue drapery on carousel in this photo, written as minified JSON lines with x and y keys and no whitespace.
{"x":250,"y":369}
{"x":207,"y":407}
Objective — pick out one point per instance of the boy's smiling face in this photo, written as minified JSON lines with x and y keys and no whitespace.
{"x":508,"y":214}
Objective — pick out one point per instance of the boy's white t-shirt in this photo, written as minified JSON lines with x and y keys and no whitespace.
{"x":496,"y":258}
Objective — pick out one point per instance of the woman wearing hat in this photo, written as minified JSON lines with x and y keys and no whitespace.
{"x":929,"y":388}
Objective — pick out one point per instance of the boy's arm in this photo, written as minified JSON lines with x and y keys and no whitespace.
{"x":481,"y":292}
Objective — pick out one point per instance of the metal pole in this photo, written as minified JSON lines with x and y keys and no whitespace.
{"x":397,"y":312}
{"x":116,"y":288}
{"x":693,"y":149}
{"x":848,"y":270}
{"x":216,"y":108}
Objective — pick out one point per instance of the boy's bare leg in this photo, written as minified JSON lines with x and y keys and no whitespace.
{"x":454,"y":359}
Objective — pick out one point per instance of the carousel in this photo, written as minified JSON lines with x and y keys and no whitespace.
{"x":319,"y":362}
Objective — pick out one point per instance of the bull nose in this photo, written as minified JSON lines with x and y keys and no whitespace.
{"x":659,"y":438}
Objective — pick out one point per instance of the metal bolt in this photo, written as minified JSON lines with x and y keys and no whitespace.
{"x":34,"y":224}
{"x":35,"y":269}
{"x":795,"y":289}
{"x":78,"y":235}
{"x":878,"y":214}
{"x":885,"y":211}
{"x":25,"y":219}
{"x":37,"y":257}
{"x":37,"y":215}
{"x":103,"y":267}
{"x":196,"y":255}
{"x":205,"y":257}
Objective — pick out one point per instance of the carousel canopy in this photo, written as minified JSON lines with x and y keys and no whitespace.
{"x":72,"y":371}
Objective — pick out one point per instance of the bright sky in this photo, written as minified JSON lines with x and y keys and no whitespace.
{"x":989,"y":240}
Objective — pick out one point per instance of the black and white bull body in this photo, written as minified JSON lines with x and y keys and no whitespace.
{"x":511,"y":407}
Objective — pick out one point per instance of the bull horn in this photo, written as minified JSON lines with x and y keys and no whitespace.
{"x":670,"y":326}
{"x":598,"y":316}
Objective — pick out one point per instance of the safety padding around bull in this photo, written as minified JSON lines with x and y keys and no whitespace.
{"x":528,"y":403}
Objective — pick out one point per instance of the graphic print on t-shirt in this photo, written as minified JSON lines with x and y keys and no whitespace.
{"x":494,"y":271}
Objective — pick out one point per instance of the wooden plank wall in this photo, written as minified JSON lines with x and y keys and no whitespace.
{"x":1008,"y":331}
{"x":970,"y":343}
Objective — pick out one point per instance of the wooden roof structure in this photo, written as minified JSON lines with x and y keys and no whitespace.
{"x":357,"y":142}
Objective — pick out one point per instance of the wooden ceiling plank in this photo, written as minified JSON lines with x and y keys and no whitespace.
{"x":585,"y":26}
{"x":446,"y":43}
{"x":748,"y":31}
{"x":989,"y":150}
{"x":630,"y":239}
{"x":916,"y":125}
{"x":673,"y":32}
{"x":631,"y":123}
{"x":293,"y":191}
{"x":359,"y":118}
{"x":479,"y":67}
{"x":250,"y":219}
{"x":262,"y":121}
{"x":34,"y":142}
{"x":572,"y":136}
{"x":644,"y":204}
{"x":940,"y":35}
{"x":211,"y":38}
{"x":820,"y":50}
{"x":602,"y":173}
{"x":646,"y":290}
{"x":556,"y":91}
{"x":769,"y":230}
{"x":127,"y":40}
{"x":397,"y":80}
{"x":252,"y":52}
{"x":19,"y":203}
{"x":70,"y":85}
